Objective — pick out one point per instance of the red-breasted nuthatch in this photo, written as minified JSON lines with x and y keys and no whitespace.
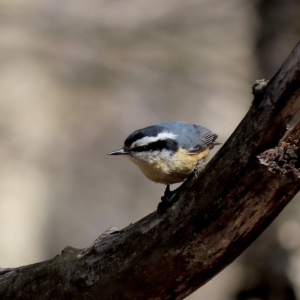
{"x":168,"y":152}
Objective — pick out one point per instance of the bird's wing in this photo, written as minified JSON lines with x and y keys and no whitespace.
{"x":207,"y":141}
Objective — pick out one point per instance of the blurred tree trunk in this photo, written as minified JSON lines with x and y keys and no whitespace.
{"x":266,"y":262}
{"x":277,"y":32}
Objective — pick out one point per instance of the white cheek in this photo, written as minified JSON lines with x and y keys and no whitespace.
{"x":151,"y":156}
{"x":165,"y":155}
{"x":144,"y":156}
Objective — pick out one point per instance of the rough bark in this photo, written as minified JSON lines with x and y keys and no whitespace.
{"x":217,"y":214}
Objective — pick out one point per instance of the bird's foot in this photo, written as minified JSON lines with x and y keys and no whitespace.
{"x":168,"y":194}
{"x":199,"y":167}
{"x":166,"y":199}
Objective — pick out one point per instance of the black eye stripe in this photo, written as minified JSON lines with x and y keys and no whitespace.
{"x":141,"y":133}
{"x":167,"y":144}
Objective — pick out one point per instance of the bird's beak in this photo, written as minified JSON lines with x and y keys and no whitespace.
{"x":118,"y":152}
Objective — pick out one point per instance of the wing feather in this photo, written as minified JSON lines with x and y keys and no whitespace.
{"x":207,"y":141}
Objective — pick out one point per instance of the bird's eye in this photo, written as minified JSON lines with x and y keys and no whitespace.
{"x":140,"y":148}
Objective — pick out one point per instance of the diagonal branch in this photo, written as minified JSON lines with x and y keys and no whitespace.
{"x":216,"y":216}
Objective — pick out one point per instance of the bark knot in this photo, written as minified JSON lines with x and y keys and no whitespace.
{"x":285,"y":158}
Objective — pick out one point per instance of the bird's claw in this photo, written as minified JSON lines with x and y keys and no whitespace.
{"x":166,"y":200}
{"x":167,"y":195}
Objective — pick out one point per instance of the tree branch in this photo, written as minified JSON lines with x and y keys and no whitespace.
{"x":217,"y":215}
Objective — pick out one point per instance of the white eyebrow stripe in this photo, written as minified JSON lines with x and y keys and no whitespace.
{"x":151,"y":139}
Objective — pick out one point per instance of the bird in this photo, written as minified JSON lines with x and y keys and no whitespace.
{"x":168,"y":152}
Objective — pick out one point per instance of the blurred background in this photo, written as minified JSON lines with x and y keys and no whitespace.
{"x":76,"y":77}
